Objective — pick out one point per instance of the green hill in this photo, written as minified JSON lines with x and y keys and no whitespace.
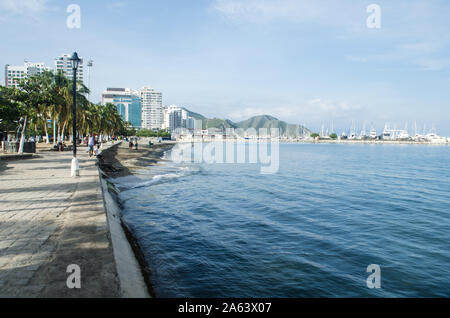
{"x":256,"y":122}
{"x":196,"y":116}
{"x":269,"y":122}
{"x":218,"y":123}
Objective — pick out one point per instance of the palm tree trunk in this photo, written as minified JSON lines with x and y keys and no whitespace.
{"x":54,"y":131}
{"x":62,"y":132}
{"x":46,"y":132}
{"x":22,"y":138}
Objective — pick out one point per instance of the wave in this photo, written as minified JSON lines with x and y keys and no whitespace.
{"x":167,"y":176}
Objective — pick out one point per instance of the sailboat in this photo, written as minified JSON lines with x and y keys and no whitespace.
{"x":363,"y":135}
{"x":352,"y":135}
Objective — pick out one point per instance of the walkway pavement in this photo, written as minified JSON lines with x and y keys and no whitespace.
{"x":49,"y":221}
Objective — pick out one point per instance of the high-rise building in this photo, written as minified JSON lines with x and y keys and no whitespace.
{"x":13,"y":74}
{"x":64,"y":64}
{"x":166,"y":115}
{"x":152,"y":109}
{"x":176,"y":117}
{"x":175,"y":120}
{"x":130,"y":109}
{"x":190,"y":123}
{"x":128,"y":103}
{"x":111,"y":93}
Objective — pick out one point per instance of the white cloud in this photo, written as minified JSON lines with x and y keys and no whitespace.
{"x":116,"y":5}
{"x":420,"y":47}
{"x":331,"y":106}
{"x":430,"y":64}
{"x":261,"y":11}
{"x":421,"y":55}
{"x":314,"y":110}
{"x":246,"y":113}
{"x":23,"y":6}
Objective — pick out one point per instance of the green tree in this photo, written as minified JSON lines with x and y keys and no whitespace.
{"x":49,"y":96}
{"x":146,"y":133}
{"x":111,"y":121}
{"x":333,"y":136}
{"x":10,"y":109}
{"x":128,"y":130}
{"x":32,"y":97}
{"x":164,"y":134}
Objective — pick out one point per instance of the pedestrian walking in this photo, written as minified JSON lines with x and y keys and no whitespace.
{"x":91,"y":145}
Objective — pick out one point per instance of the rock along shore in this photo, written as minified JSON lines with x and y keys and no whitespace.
{"x":120,"y":161}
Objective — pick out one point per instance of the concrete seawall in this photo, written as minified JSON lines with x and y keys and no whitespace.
{"x":132,"y":281}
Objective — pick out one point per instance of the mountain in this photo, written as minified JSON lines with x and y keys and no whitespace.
{"x":196,"y":116}
{"x":218,"y":123}
{"x":256,"y":122}
{"x":269,"y":122}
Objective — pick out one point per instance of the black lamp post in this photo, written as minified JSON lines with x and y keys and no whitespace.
{"x":75,"y":62}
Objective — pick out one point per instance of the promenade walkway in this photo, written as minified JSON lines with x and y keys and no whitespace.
{"x":49,"y":221}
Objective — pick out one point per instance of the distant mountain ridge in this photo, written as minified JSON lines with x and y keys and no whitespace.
{"x":255,"y":122}
{"x":194,"y":115}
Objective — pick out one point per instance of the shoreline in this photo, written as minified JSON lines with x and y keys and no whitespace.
{"x":114,"y":162}
{"x":340,"y":142}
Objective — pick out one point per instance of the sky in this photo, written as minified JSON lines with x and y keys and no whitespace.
{"x":303,"y":61}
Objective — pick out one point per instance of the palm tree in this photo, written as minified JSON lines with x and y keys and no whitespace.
{"x":111,"y":121}
{"x":32,"y":97}
{"x":64,"y":103}
{"x":49,"y":96}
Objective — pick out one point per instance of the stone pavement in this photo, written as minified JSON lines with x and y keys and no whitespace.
{"x":49,"y":221}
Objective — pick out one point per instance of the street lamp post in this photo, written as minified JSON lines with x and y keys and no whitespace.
{"x":75,"y":62}
{"x":89,"y":65}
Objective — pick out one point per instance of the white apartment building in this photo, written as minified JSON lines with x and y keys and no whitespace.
{"x":166,"y":115}
{"x":13,"y":74}
{"x":64,"y":64}
{"x":177,"y":117}
{"x":152,"y":109}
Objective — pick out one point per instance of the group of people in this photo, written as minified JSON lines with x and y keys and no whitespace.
{"x":135,"y":144}
{"x":94,"y":147}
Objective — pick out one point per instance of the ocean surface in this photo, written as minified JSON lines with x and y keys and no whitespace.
{"x":310,"y":230}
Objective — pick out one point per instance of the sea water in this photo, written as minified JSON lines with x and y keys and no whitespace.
{"x":310,"y":230}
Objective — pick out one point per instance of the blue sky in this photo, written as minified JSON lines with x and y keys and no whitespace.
{"x":308,"y":62}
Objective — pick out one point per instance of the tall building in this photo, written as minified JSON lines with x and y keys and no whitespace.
{"x":175,"y":120}
{"x":128,"y":103}
{"x":13,"y":74}
{"x":130,"y":109}
{"x":177,"y":117}
{"x":64,"y":64}
{"x":111,"y":93}
{"x":190,"y":123}
{"x":152,"y":109}
{"x":166,"y":115}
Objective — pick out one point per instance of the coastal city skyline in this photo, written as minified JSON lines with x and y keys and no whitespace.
{"x":236,"y":59}
{"x":144,"y":107}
